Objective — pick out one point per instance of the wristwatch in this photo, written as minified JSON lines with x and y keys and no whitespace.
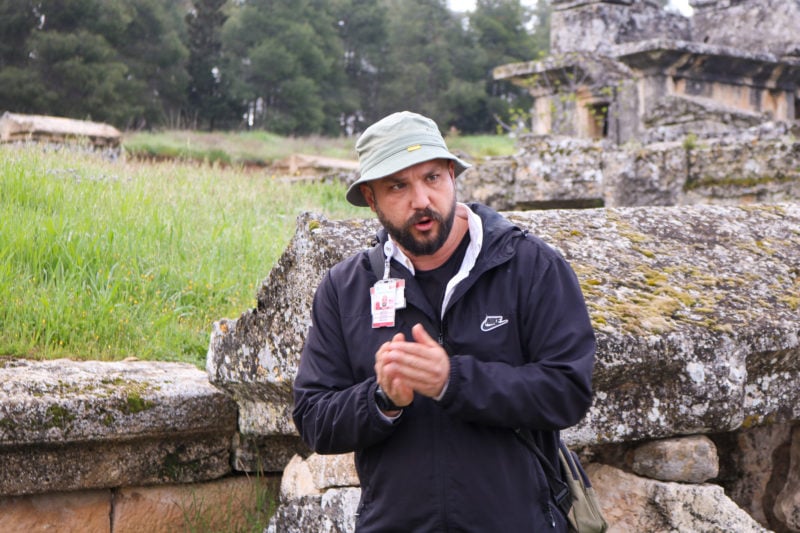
{"x":383,"y":402}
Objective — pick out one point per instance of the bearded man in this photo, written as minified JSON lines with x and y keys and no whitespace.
{"x":485,"y":332}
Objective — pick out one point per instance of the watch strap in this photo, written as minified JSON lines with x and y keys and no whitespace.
{"x":383,"y":401}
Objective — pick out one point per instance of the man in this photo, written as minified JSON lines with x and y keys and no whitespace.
{"x":431,"y":413}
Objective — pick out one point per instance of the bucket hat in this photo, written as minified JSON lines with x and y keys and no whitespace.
{"x":395,"y":142}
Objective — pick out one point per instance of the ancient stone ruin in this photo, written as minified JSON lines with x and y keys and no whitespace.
{"x":640,"y":106}
{"x":60,"y":131}
{"x":627,"y":70}
{"x":685,"y":132}
{"x":697,"y":315}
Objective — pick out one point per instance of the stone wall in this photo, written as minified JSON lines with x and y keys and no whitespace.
{"x":597,"y":25}
{"x":760,"y":164}
{"x":697,"y":315}
{"x":742,"y":24}
{"x":119,"y":447}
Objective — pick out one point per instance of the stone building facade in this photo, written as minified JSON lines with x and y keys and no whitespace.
{"x":627,"y":70}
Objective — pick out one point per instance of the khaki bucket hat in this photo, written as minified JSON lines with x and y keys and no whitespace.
{"x":395,"y":142}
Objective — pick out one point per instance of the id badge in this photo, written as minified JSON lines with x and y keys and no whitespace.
{"x":383,"y":298}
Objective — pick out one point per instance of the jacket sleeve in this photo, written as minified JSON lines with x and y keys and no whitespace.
{"x":552,"y":390}
{"x":332,"y":411}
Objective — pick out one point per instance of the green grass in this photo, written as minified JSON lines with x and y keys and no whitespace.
{"x":263,"y":148}
{"x":108,"y":260}
{"x":103,"y":260}
{"x":247,"y":148}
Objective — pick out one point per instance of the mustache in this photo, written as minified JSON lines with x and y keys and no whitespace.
{"x":421,"y":214}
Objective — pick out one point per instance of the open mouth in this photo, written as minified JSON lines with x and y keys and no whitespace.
{"x":424,"y":224}
{"x":423,"y":221}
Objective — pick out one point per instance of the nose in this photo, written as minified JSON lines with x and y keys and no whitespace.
{"x":419,"y":195}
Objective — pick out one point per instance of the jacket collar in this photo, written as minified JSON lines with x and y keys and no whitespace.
{"x":490,"y":237}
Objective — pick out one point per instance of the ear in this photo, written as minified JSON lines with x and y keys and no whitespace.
{"x":451,"y":166}
{"x":368,"y":194}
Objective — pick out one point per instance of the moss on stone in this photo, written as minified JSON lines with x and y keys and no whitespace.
{"x":134,"y":403}
{"x":7,"y":424}
{"x":59,"y":416}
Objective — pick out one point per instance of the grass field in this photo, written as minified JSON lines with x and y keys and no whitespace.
{"x":102,"y":260}
{"x":261,"y":148}
{"x":108,"y":260}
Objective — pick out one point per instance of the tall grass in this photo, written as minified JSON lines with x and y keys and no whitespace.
{"x":254,"y":147}
{"x":264,"y":148}
{"x":104,"y":260}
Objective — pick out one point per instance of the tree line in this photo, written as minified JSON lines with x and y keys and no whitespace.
{"x":293,"y":67}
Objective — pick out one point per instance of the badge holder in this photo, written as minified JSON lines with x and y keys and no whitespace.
{"x":387,"y":295}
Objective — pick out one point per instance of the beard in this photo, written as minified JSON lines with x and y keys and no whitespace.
{"x":403,"y":235}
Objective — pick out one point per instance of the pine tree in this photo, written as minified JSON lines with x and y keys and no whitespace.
{"x":209,"y":100}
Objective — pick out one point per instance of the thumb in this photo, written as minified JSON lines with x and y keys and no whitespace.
{"x":421,"y":335}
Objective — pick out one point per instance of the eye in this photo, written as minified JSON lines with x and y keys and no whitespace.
{"x":397,"y":186}
{"x":433,"y":178}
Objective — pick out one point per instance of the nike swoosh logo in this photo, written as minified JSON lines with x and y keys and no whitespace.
{"x":493,"y":322}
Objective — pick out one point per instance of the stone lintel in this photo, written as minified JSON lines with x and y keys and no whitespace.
{"x":64,"y":401}
{"x":109,"y":464}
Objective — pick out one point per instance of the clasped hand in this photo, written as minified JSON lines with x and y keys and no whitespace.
{"x":405,"y":367}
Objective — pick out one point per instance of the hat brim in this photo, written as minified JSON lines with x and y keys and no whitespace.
{"x":398,"y":162}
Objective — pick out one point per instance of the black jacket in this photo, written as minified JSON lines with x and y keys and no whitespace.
{"x":522,"y":351}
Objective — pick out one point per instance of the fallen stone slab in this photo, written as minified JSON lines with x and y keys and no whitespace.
{"x":633,"y":503}
{"x":68,"y":425}
{"x":696,"y":309}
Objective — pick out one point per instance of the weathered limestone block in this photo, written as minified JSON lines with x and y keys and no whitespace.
{"x":632,"y":503}
{"x":734,"y":172}
{"x":220,"y":505}
{"x":689,"y":459}
{"x":319,"y":493}
{"x":696,"y":311}
{"x":652,"y":175}
{"x":565,"y":172}
{"x":491,"y":182}
{"x":317,"y":473}
{"x":549,"y":171}
{"x":65,"y":512}
{"x":741,"y":24}
{"x":331,"y":512}
{"x":597,"y":25}
{"x":255,"y":357}
{"x":67,"y":425}
{"x":760,"y":164}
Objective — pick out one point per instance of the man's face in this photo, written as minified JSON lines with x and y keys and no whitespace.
{"x":416,"y":205}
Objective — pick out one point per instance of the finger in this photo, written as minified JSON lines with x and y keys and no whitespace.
{"x":421,"y":335}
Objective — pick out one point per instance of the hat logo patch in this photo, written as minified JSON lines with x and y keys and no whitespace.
{"x":413,"y":147}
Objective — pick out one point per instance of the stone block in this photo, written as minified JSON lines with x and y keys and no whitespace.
{"x":729,"y":171}
{"x":688,"y":459}
{"x":632,"y":503}
{"x":229,"y":504}
{"x":69,"y":425}
{"x":39,"y":469}
{"x":65,"y":512}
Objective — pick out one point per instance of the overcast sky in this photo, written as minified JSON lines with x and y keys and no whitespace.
{"x":469,"y":5}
